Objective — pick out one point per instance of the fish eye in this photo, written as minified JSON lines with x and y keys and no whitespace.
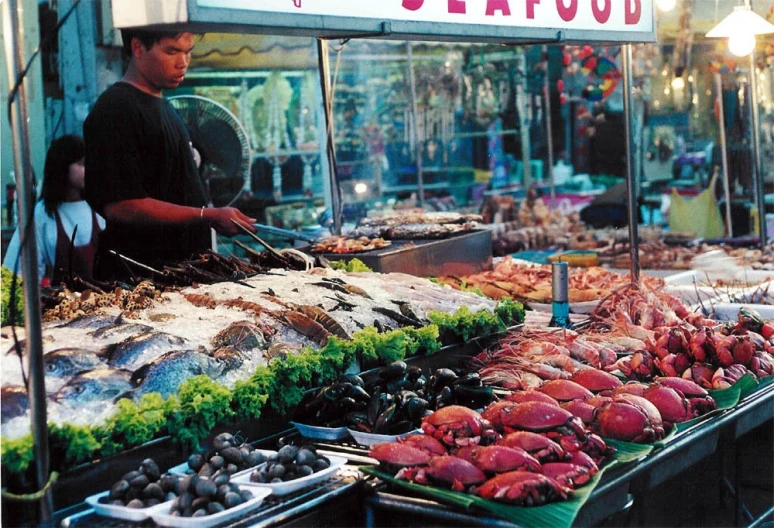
{"x":79,"y":388}
{"x":50,"y":367}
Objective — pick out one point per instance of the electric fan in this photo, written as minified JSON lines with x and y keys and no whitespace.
{"x":222,"y":142}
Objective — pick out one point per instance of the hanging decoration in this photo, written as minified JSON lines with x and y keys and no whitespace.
{"x":593,"y":74}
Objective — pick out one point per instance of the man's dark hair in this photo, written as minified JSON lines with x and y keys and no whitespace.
{"x":62,"y":153}
{"x":147,"y":37}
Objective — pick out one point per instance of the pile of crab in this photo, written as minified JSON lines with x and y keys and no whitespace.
{"x":538,"y":455}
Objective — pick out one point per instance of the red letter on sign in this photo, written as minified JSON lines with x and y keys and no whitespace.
{"x":531,"y":8}
{"x":457,"y":6}
{"x":567,"y":13}
{"x":412,"y":5}
{"x":601,"y":14}
{"x":633,"y":10}
{"x":498,"y":5}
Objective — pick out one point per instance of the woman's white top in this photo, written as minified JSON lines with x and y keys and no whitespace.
{"x":72,"y":214}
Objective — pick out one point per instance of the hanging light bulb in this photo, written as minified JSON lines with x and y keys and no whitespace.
{"x":741,"y":27}
{"x":741,"y":44}
{"x":666,"y":5}
{"x":678,"y":83}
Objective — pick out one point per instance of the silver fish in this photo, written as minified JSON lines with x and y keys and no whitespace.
{"x":138,"y":350}
{"x":167,"y":372}
{"x":67,"y":362}
{"x":119,"y":330}
{"x":91,"y":321}
{"x":103,"y":384}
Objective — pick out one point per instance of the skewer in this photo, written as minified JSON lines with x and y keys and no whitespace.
{"x":260,"y":241}
{"x":132,"y":261}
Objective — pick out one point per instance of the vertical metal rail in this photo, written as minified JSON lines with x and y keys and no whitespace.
{"x":724,"y":153}
{"x":327,"y":99}
{"x":418,"y":148}
{"x":757,"y":169}
{"x":521,"y":109}
{"x":631,"y":186}
{"x":549,"y":134}
{"x":13,"y":16}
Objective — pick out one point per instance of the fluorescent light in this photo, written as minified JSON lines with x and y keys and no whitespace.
{"x":360,"y":188}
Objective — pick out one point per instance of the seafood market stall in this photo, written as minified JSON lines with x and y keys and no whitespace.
{"x":288,"y":342}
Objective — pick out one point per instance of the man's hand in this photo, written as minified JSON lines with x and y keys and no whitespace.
{"x":222,"y":220}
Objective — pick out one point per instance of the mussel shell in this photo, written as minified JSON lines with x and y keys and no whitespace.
{"x":223,"y":441}
{"x":200,"y":503}
{"x":215,"y":507}
{"x":385,"y":418}
{"x":413,"y":373}
{"x":358,"y":393}
{"x":288,"y":453}
{"x":397,"y":428}
{"x":415,"y":409}
{"x":354,"y":379}
{"x":442,"y":377}
{"x":151,"y":469}
{"x":196,"y":461}
{"x":119,"y":489}
{"x":393,"y":371}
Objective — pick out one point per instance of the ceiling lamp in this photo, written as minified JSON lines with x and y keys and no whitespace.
{"x":741,"y":27}
{"x":666,"y":5}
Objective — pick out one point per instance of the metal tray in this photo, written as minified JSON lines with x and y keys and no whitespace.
{"x":458,"y":255}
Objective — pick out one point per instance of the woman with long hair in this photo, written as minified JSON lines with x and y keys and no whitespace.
{"x":66,"y":227}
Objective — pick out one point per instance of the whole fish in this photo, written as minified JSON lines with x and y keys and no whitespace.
{"x":167,"y":372}
{"x":15,"y":401}
{"x":91,"y":321}
{"x":119,"y":330}
{"x":138,"y":350}
{"x":67,"y":362}
{"x":102,"y":384}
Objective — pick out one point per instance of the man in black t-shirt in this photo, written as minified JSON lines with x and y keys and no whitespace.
{"x":140,"y":170}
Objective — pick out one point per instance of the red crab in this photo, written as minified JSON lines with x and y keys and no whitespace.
{"x":424,"y":442}
{"x":530,"y":395}
{"x":395,"y":456}
{"x":565,"y":390}
{"x":629,"y":418}
{"x":702,"y":344}
{"x":568,"y":474}
{"x":522,"y":488}
{"x":724,"y":378}
{"x":549,"y":420}
{"x":597,"y":381}
{"x":579,"y":408}
{"x":673,"y":364}
{"x":457,"y":426}
{"x":537,"y":445}
{"x":631,"y":387}
{"x":671,"y":404}
{"x":579,"y":458}
{"x":448,"y":471}
{"x":762,"y":364}
{"x":700,"y":400}
{"x":700,"y":373}
{"x":734,"y":349}
{"x":674,"y":341}
{"x":499,"y":459}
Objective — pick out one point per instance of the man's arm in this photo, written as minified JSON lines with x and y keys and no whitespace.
{"x":149,"y":211}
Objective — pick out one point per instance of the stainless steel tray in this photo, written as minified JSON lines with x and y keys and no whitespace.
{"x":458,"y":255}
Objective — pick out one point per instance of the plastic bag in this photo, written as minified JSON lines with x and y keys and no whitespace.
{"x":699,"y":215}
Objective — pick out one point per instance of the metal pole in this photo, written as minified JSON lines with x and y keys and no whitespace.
{"x":13,"y":30}
{"x":757,"y":169}
{"x":521,"y":108}
{"x":549,"y":127}
{"x":418,"y":147}
{"x":634,"y":241}
{"x":325,"y":83}
{"x":724,"y":153}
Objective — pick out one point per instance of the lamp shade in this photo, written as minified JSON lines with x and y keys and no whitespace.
{"x":742,"y":20}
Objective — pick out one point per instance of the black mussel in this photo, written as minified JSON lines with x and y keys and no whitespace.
{"x":131,"y":494}
{"x":150,"y":469}
{"x":169,"y":483}
{"x":207,"y":470}
{"x":395,"y":370}
{"x":377,"y":405}
{"x":131,"y":475}
{"x":276,"y":471}
{"x":220,"y":479}
{"x":359,"y":421}
{"x":225,"y":488}
{"x":139,"y":481}
{"x":354,"y":379}
{"x":246,"y":495}
{"x":385,"y":418}
{"x":215,"y":507}
{"x":441,"y":378}
{"x":471,"y":379}
{"x":404,"y":396}
{"x":217,"y":461}
{"x":200,"y":503}
{"x":196,"y":461}
{"x":232,"y":499}
{"x":473,"y":396}
{"x":320,"y":464}
{"x":119,"y":489}
{"x":189,"y":483}
{"x":415,"y":409}
{"x":230,"y":469}
{"x":201,"y":512}
{"x":185,"y":500}
{"x":346,"y":405}
{"x":444,"y":398}
{"x":335,"y":391}
{"x":223,"y":441}
{"x":304,"y":471}
{"x":206,"y":488}
{"x":397,"y":428}
{"x":358,"y":393}
{"x":305,"y":457}
{"x":255,"y":458}
{"x":288,"y":453}
{"x":413,"y":373}
{"x":419,"y":384}
{"x":152,"y":491}
{"x":135,"y":503}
